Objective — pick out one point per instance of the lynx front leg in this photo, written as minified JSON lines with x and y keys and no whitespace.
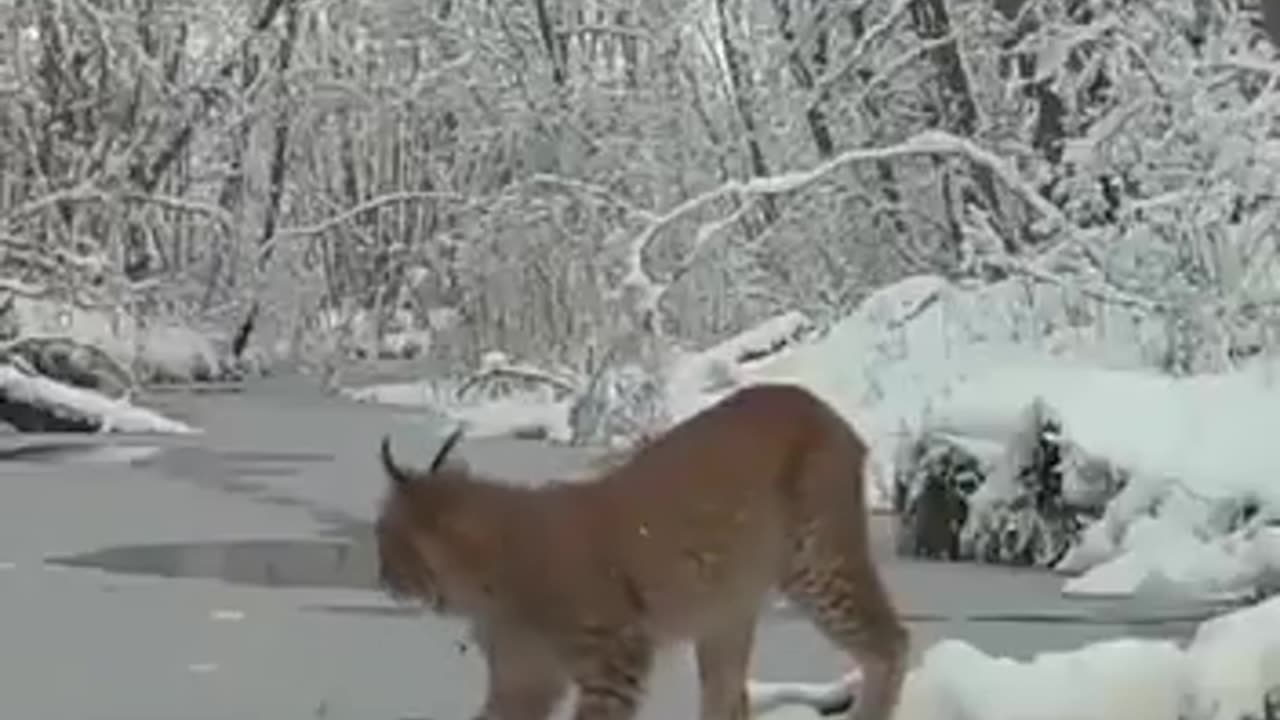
{"x":525,"y":681}
{"x":611,"y":669}
{"x":723,"y":659}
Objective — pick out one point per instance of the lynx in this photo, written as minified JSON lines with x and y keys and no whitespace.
{"x":578,"y":584}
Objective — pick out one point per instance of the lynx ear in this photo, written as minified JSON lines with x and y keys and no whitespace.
{"x":443,"y":452}
{"x":400,"y":476}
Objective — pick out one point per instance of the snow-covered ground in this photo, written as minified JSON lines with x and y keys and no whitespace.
{"x":1230,"y":671}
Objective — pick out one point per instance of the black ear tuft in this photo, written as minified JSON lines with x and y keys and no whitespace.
{"x":394,"y":471}
{"x":443,"y":452}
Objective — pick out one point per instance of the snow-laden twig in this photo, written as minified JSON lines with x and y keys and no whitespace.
{"x":370,"y":204}
{"x":79,"y":193}
{"x":1102,"y":293}
{"x":859,"y":52}
{"x":594,"y":190}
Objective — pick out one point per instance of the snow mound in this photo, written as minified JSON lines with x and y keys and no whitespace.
{"x":1230,"y":671}
{"x":697,"y":380}
{"x":1195,"y":512}
{"x":800,"y":700}
{"x":169,"y":352}
{"x":1211,"y":432}
{"x":1235,"y":664}
{"x":883,"y":365}
{"x":528,"y":413}
{"x":109,"y":415}
{"x":164,"y":351}
{"x":1122,"y":679}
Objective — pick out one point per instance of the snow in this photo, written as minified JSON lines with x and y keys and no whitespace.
{"x":1124,"y":678}
{"x":522,"y":412}
{"x":111,"y":332}
{"x":174,"y":352}
{"x":698,"y":379}
{"x":1211,"y":432}
{"x":797,"y":700}
{"x":115,"y":415}
{"x":1196,"y":450}
{"x":884,"y":365}
{"x":1229,"y":671}
{"x":168,"y":349}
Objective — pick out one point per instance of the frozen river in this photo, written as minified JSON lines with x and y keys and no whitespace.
{"x":228,"y":576}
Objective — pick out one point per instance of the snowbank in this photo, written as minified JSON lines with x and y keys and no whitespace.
{"x":533,"y":412}
{"x":106,"y":414}
{"x":882,"y":366}
{"x":926,"y":356}
{"x":1200,"y":471}
{"x":166,"y":351}
{"x":173,"y":353}
{"x":698,"y":379}
{"x":1230,"y":671}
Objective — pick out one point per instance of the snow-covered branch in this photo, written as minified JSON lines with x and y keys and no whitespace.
{"x":933,"y":142}
{"x":362,"y":207}
{"x":858,"y":55}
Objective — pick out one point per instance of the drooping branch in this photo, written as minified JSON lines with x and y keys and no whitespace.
{"x":929,"y":143}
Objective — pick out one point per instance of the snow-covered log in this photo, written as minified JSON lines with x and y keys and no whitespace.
{"x":31,"y":402}
{"x":71,"y":362}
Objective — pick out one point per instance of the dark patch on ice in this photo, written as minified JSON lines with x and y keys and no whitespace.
{"x":1139,"y":616}
{"x":276,"y":563}
{"x":44,"y":451}
{"x":271,"y":456}
{"x":50,"y":451}
{"x":396,"y":611}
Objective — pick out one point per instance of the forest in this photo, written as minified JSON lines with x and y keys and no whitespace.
{"x":568,"y":182}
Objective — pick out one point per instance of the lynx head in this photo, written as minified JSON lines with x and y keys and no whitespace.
{"x":418,"y":556}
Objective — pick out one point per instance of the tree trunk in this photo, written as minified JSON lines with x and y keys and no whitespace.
{"x":958,"y":112}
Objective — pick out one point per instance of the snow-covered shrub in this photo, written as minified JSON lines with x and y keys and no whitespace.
{"x":1020,"y":516}
{"x":998,"y":501}
{"x":933,"y":479}
{"x":1125,"y":479}
{"x":621,"y":403}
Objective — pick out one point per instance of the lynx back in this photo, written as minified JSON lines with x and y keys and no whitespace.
{"x":579,"y":583}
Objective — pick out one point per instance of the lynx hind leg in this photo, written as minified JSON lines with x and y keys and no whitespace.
{"x":844,"y":597}
{"x":525,"y":681}
{"x":611,"y":669}
{"x":724,"y":657}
